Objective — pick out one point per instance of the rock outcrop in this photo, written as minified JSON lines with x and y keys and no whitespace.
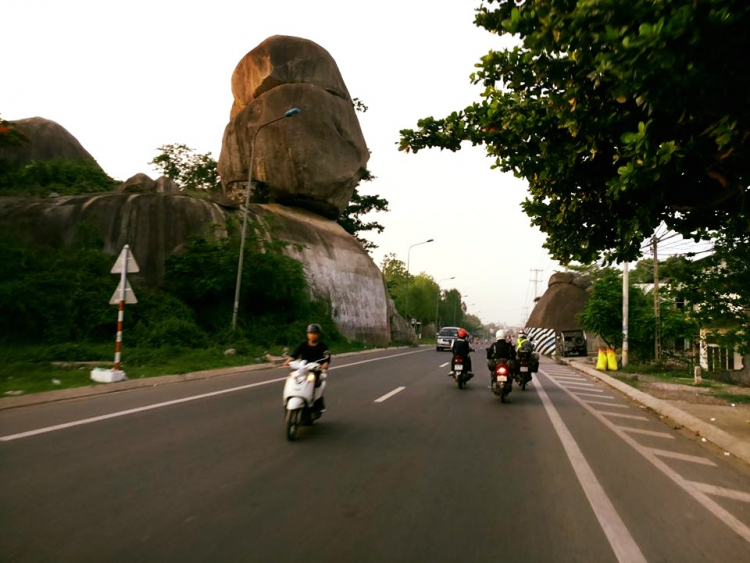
{"x":566,"y":296}
{"x":143,"y":184}
{"x":45,"y":140}
{"x":154,"y":225}
{"x":313,"y":160}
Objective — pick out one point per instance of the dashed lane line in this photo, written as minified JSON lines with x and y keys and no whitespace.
{"x":389,"y":395}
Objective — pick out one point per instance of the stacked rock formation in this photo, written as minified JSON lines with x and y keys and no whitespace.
{"x":314,"y":160}
{"x":45,"y":140}
{"x":566,"y":296}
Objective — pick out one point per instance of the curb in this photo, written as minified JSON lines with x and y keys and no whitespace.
{"x":104,"y":388}
{"x":724,"y":440}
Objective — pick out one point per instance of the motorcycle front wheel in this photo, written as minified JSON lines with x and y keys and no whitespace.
{"x":292,"y":424}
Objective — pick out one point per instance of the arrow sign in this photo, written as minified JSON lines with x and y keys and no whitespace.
{"x":132,"y":265}
{"x":130,"y":298}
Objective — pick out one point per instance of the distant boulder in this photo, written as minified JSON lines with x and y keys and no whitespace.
{"x":564,"y":299}
{"x":45,"y":140}
{"x":143,"y":184}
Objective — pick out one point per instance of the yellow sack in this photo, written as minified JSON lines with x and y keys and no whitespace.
{"x":611,"y":360}
{"x":601,"y":362}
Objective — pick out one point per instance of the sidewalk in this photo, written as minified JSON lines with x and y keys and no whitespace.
{"x":128,"y":384}
{"x":727,"y":425}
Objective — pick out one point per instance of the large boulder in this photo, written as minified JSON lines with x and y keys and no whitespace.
{"x":154,"y":225}
{"x":338,"y":269}
{"x":143,"y":184}
{"x":313,"y":160}
{"x":45,"y":140}
{"x":558,"y":308}
{"x":284,"y":60}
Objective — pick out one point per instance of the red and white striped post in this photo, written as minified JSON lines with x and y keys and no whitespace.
{"x":121,"y":307}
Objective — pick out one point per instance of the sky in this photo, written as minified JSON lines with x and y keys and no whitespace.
{"x":127,"y":77}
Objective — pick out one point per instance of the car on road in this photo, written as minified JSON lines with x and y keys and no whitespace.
{"x":445,"y":337}
{"x":571,"y":343}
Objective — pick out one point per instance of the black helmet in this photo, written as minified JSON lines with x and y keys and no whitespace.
{"x":314,"y":328}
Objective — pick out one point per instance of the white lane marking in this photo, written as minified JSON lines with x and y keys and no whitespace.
{"x":580,"y":394}
{"x":132,"y":411}
{"x":389,"y":395}
{"x":613,"y":405}
{"x":579,"y":382}
{"x":176,"y":402}
{"x":443,"y":365}
{"x":578,"y":387}
{"x":708,"y":503}
{"x":653,"y":433}
{"x":576,"y":377}
{"x":683,"y":457}
{"x":721,"y":491}
{"x":623,"y":544}
{"x":620,"y":415}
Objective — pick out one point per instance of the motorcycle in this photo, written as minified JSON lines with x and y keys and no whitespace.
{"x":301,"y":395}
{"x":460,"y":372}
{"x":523,"y":373}
{"x":502,"y":380}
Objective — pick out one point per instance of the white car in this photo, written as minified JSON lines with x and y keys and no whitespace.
{"x":445,"y":337}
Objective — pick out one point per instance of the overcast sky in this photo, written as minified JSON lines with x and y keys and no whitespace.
{"x":127,"y":77}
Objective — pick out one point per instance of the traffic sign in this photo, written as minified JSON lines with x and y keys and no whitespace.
{"x":130,"y":298}
{"x":132,"y":266}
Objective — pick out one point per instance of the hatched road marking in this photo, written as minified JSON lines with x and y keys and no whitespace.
{"x":683,"y":457}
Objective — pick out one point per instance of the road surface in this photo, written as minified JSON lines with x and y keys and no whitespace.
{"x":404,"y":467}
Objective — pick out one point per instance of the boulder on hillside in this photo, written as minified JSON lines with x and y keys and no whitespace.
{"x":561,"y":303}
{"x":143,"y":184}
{"x":281,"y":60}
{"x":313,"y":160}
{"x":45,"y":140}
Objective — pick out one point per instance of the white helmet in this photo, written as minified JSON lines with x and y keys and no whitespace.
{"x":500,"y":334}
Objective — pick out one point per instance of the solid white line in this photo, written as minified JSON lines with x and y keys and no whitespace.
{"x":443,"y":365}
{"x":623,"y":544}
{"x":389,"y":395}
{"x":620,"y":415}
{"x":132,"y":411}
{"x":613,"y":405}
{"x":688,"y":486}
{"x":721,"y":491}
{"x":683,"y":457}
{"x":176,"y":402}
{"x":646,"y":432}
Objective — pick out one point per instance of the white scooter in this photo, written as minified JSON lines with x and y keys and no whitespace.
{"x":300,"y":395}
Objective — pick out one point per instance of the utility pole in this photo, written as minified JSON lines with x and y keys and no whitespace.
{"x":625,"y":311}
{"x":657,"y":312}
{"x":536,"y":280}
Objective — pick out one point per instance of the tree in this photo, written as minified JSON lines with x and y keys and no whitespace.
{"x":620,"y":115}
{"x":603,"y":314}
{"x":360,"y":205}
{"x":716,"y":291}
{"x":193,"y":171}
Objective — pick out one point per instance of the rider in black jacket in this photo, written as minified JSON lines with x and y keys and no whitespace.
{"x":501,"y":349}
{"x":462,"y":347}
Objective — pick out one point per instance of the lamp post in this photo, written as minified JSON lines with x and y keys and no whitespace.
{"x":437,"y":301}
{"x":289,"y":113}
{"x":408,"y":264}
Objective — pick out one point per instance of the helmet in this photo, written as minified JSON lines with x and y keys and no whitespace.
{"x":314,"y":328}
{"x":500,"y":334}
{"x":462,"y":333}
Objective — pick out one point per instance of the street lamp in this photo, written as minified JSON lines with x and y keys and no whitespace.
{"x":408,"y":264}
{"x":437,"y":300}
{"x":289,"y":113}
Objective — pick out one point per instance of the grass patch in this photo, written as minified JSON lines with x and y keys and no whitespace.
{"x":30,"y":369}
{"x":732,"y":398}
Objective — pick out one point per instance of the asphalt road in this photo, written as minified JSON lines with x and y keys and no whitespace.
{"x":566,"y":471}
